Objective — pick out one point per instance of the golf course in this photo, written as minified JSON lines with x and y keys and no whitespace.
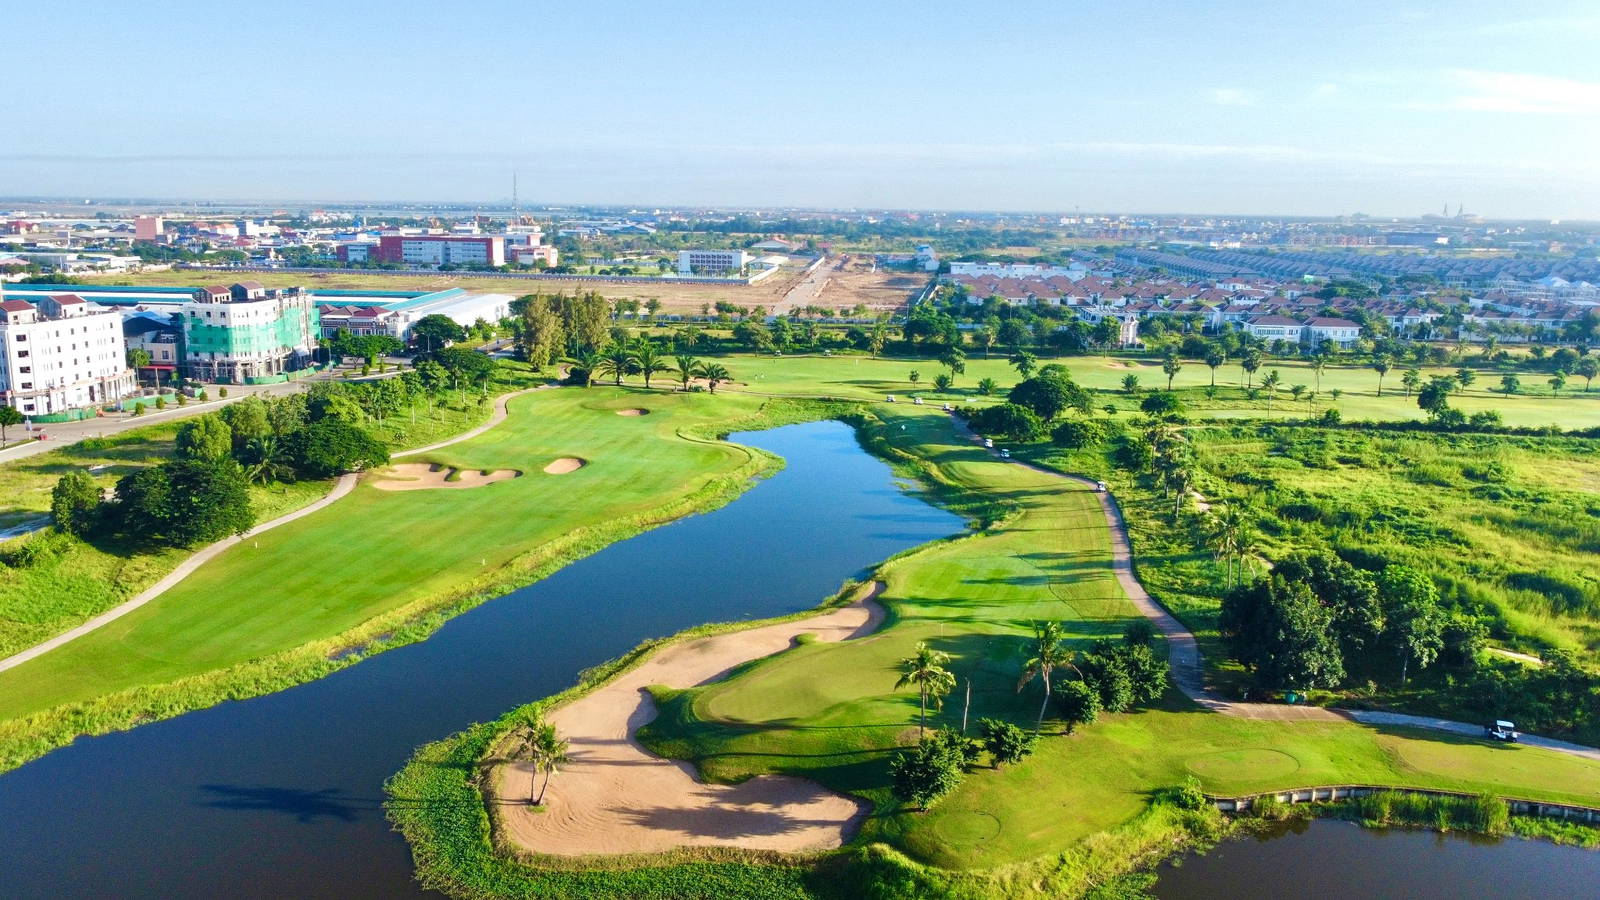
{"x":811,"y":698}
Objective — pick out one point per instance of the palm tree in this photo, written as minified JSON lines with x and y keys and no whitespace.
{"x":925,"y":669}
{"x":546,"y":749}
{"x":269,"y":461}
{"x":648,"y":360}
{"x":688,"y":368}
{"x":1048,"y":656}
{"x":1025,"y":362}
{"x":1215,"y":357}
{"x":1230,"y":539}
{"x":585,"y":361}
{"x":715,"y":373}
{"x":1249,"y":363}
{"x":1380,"y":364}
{"x":617,"y":361}
{"x":1269,"y":382}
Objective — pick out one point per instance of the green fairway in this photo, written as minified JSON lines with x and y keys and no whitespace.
{"x":307,"y":581}
{"x":859,"y":376}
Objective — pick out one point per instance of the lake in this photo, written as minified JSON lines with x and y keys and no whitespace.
{"x":1329,"y":858}
{"x":281,"y":795}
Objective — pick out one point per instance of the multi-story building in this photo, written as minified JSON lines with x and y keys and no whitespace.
{"x":712,"y":262}
{"x":147,"y":228}
{"x":61,"y":355}
{"x":246,"y":331}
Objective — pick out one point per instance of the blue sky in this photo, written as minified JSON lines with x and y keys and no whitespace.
{"x":1389,"y":108}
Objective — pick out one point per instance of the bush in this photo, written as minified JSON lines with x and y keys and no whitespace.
{"x":222,"y":393}
{"x":75,"y":503}
{"x":1005,"y":742}
{"x":333,"y":447}
{"x":1008,"y":420}
{"x":926,"y":772}
{"x":1077,"y":434}
{"x":1188,"y":795}
{"x":185,"y":502}
{"x":1080,"y":704}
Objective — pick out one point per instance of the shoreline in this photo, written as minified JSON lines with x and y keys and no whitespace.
{"x":591,"y":806}
{"x":31,"y":736}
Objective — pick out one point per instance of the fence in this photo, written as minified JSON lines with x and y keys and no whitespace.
{"x":1330,"y":793}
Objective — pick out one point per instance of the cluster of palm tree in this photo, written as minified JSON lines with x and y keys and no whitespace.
{"x":1232,"y":540}
{"x":542,"y":746}
{"x":642,"y":357}
{"x":1171,"y":460}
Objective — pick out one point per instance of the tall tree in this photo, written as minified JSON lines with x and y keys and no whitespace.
{"x":715,"y":374}
{"x":1414,"y":623}
{"x":543,"y":747}
{"x":1380,"y":364}
{"x":1215,"y":357}
{"x":925,"y":668}
{"x":617,"y":361}
{"x":1026,"y":363}
{"x":75,"y":502}
{"x":9,"y":415}
{"x":1048,"y":655}
{"x":648,"y":360}
{"x":1249,"y":363}
{"x":688,"y":368}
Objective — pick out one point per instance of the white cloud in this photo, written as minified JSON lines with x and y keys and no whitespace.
{"x":1325,"y":91}
{"x":1484,"y":91}
{"x":1231,"y":97}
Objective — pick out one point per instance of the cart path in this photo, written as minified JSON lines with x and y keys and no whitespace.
{"x":341,"y":487}
{"x":1183,"y":651}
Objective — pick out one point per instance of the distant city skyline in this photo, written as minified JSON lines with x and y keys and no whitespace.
{"x":1241,"y":108}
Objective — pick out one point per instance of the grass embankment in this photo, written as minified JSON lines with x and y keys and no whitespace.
{"x":1077,"y":813}
{"x":302,"y":601}
{"x":859,"y":376}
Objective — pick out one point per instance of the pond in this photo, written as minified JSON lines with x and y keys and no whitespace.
{"x":1336,"y":859}
{"x":281,"y":795}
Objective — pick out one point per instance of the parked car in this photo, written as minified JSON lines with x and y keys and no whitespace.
{"x":1502,"y":730}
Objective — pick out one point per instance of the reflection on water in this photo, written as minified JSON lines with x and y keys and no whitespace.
{"x":1328,"y":858}
{"x":281,"y":796}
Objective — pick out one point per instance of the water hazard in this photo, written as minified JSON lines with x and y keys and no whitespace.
{"x":1327,"y":858}
{"x":281,"y":795}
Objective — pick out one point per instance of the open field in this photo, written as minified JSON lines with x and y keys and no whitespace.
{"x":298,"y":584}
{"x":856,"y":280}
{"x":861,"y":376}
{"x":683,"y":298}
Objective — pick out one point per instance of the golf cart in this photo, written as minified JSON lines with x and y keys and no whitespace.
{"x":1502,"y":730}
{"x":988,"y":442}
{"x":1005,"y":454}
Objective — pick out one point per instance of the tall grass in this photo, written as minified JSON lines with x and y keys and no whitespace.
{"x":1482,"y":814}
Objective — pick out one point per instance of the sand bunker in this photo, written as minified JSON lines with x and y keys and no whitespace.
{"x":426,"y":476}
{"x":633,"y":412}
{"x":615,"y":797}
{"x":565,"y":464}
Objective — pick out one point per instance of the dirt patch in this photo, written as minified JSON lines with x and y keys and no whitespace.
{"x":565,"y":465}
{"x":633,"y":412}
{"x":426,"y":476}
{"x":616,"y":797}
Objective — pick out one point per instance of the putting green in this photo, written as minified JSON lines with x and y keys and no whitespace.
{"x":1255,"y":762}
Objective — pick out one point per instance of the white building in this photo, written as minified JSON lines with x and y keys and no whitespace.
{"x":64,"y":354}
{"x":712,"y":262}
{"x":233,"y":334}
{"x":1342,"y":333}
{"x":1074,"y":271}
{"x":1275,"y":328}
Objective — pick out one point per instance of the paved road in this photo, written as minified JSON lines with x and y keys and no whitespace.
{"x":807,"y":291}
{"x":344,"y":485}
{"x":64,"y":433}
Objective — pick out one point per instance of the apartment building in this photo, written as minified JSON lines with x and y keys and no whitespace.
{"x":60,"y":355}
{"x":245,"y":331}
{"x":712,"y":262}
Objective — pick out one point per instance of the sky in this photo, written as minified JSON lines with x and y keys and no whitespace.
{"x":1390,"y":108}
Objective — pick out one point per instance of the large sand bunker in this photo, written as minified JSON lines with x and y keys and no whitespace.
{"x":633,"y":412}
{"x":616,"y":797}
{"x":565,"y":465}
{"x":427,"y":476}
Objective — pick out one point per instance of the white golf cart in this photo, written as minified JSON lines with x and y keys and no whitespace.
{"x":1502,"y":730}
